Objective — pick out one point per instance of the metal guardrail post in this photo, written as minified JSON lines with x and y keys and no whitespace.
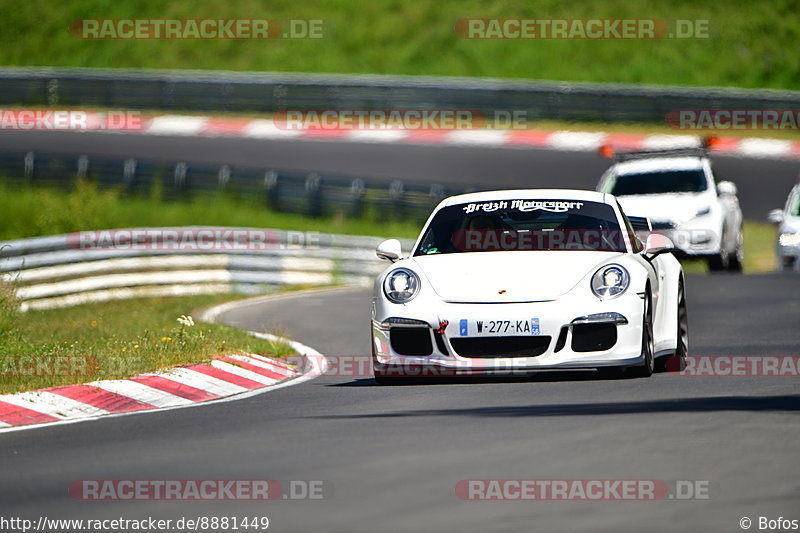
{"x":314,"y":200}
{"x":271,"y":190}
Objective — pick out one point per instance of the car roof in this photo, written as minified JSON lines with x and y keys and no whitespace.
{"x":529,"y":194}
{"x":656,"y":164}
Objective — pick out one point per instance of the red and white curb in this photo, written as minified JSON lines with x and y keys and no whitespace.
{"x":225,"y":378}
{"x":553,"y":140}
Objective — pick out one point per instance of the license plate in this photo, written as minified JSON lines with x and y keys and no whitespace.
{"x":498,"y":327}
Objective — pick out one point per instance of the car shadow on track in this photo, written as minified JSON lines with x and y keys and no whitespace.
{"x":785,"y":403}
{"x":548,"y":376}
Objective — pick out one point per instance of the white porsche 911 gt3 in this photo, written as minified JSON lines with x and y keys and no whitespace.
{"x":523,"y":280}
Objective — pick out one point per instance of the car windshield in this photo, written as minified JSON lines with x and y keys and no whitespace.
{"x":794,"y":206}
{"x":657,"y":182}
{"x":523,"y":225}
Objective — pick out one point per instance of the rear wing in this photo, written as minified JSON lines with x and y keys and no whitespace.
{"x":706,"y":145}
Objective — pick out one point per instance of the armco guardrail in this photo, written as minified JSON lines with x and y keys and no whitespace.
{"x":270,"y":91}
{"x":50,"y":272}
{"x":310,"y":193}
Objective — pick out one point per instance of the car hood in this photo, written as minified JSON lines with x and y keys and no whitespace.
{"x":508,"y":277}
{"x":673,"y":207}
{"x":790,"y":224}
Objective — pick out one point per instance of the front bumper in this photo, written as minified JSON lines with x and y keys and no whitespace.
{"x":566,"y":322}
{"x":693,"y":243}
{"x":788,"y":258}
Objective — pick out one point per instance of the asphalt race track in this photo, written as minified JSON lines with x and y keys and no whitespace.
{"x":390,"y":456}
{"x":763,"y":183}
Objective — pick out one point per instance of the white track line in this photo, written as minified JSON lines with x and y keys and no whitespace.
{"x":477,"y":137}
{"x":141,"y":392}
{"x":187,"y":376}
{"x":377,"y":136}
{"x":764,"y":147}
{"x":176,"y":125}
{"x":33,"y":406}
{"x":576,"y":140}
{"x":261,"y":364}
{"x":243,"y":372}
{"x":62,"y":405}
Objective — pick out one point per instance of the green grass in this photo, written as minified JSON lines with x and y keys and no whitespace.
{"x":31,"y":211}
{"x":753,"y":44}
{"x":124,"y":338}
{"x":36,"y":211}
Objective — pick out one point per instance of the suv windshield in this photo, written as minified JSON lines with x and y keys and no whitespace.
{"x":518,"y":225}
{"x":794,"y":207}
{"x":657,"y":182}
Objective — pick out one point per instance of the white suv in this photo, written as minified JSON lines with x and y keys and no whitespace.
{"x":677,"y":191}
{"x":788,"y":220}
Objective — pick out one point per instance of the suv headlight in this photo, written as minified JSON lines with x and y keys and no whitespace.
{"x":703,"y":211}
{"x":610,"y":281}
{"x":401,"y":285}
{"x":789,"y":239}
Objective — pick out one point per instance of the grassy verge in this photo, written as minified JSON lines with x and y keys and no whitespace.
{"x":112,"y":340}
{"x":36,"y":211}
{"x":751,"y":44}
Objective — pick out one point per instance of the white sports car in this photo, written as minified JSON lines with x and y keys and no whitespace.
{"x":788,"y":220}
{"x":678,"y":192}
{"x":523,"y":280}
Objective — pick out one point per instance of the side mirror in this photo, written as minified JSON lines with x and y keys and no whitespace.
{"x":727,"y":187}
{"x":389,"y":250}
{"x":775,"y":216}
{"x":658,"y":244}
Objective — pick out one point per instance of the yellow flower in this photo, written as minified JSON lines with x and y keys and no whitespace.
{"x":135,"y":345}
{"x":94,"y":323}
{"x":124,"y":349}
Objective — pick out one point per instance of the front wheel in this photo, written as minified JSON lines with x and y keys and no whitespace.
{"x":646,"y":369}
{"x":718,"y":262}
{"x":677,"y":362}
{"x":736,"y":258}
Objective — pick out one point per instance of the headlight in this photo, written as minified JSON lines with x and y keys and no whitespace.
{"x":401,"y":285}
{"x":789,"y":239}
{"x":610,"y":281}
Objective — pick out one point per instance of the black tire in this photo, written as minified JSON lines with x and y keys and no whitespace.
{"x":717,"y":263}
{"x":646,"y":369}
{"x":677,"y":362}
{"x":736,"y":259}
